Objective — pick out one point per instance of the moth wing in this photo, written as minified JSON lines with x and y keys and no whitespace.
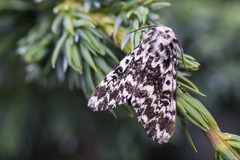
{"x":116,"y":88}
{"x":146,"y":79}
{"x":154,"y":98}
{"x":154,"y":101}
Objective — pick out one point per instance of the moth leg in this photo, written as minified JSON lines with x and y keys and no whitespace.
{"x":143,"y":31}
{"x":184,"y":91}
{"x":184,"y":62}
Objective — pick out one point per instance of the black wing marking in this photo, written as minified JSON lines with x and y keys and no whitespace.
{"x":116,"y":88}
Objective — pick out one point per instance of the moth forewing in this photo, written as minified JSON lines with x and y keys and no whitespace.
{"x":146,"y":79}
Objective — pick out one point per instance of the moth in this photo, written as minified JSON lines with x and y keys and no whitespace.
{"x":145,"y":79}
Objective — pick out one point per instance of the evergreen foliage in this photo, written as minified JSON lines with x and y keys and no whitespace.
{"x":78,"y":42}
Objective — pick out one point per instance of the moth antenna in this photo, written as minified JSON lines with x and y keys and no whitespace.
{"x":148,"y":26}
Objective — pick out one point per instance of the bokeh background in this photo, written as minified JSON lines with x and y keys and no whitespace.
{"x":53,"y":122}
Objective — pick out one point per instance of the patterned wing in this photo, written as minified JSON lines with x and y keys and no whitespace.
{"x":116,"y":88}
{"x":154,"y":98}
{"x":147,"y":82}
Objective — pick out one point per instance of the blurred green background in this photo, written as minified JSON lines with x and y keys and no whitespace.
{"x":52,"y":122}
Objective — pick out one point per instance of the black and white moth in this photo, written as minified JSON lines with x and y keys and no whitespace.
{"x":145,"y":79}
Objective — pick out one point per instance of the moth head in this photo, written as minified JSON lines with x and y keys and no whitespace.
{"x":166,"y":31}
